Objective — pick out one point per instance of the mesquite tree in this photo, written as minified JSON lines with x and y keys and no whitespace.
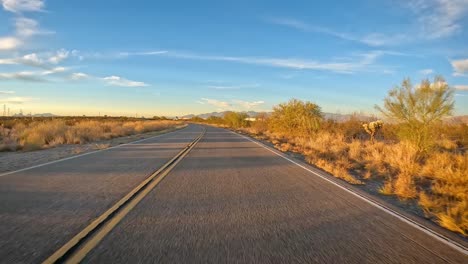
{"x":296,"y":118}
{"x":418,"y":109}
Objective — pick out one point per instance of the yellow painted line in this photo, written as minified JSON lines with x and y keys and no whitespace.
{"x":81,"y":244}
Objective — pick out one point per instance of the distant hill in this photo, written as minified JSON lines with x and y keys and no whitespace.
{"x":336,"y":117}
{"x":36,"y":115}
{"x":463,"y":119}
{"x":217,"y":114}
{"x":330,"y":116}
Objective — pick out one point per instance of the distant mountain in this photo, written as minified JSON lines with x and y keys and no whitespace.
{"x":463,"y":119}
{"x":346,"y":117}
{"x":44,"y":115}
{"x":336,"y":117}
{"x":35,"y":115}
{"x":217,"y":114}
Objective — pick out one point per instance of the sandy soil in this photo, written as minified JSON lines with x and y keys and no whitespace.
{"x":11,"y":161}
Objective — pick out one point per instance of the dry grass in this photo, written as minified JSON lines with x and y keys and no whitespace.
{"x":53,"y":132}
{"x":438,"y":179}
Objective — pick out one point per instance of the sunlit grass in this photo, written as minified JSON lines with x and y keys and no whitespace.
{"x":53,"y":132}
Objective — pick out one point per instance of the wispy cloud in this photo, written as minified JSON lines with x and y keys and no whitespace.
{"x":233,"y":87}
{"x":426,"y":71}
{"x":214,"y":102}
{"x":119,"y":81}
{"x":233,"y":104}
{"x":373,"y":39}
{"x":433,"y":19}
{"x":7,"y":92}
{"x":16,"y":100}
{"x":147,"y":53}
{"x":18,"y":6}
{"x":9,"y":43}
{"x":461,"y":87}
{"x":25,"y":27}
{"x":59,"y":56}
{"x":47,"y":60}
{"x":354,"y":63}
{"x":54,"y":71}
{"x":23,"y":76}
{"x":460,"y":67}
{"x":79,"y":76}
{"x":438,"y":18}
{"x":249,"y":105}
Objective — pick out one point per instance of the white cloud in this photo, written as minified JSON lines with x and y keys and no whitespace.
{"x":234,"y":104}
{"x":439,"y":18}
{"x":79,"y":76}
{"x":26,"y":27}
{"x":59,"y":56}
{"x":433,"y":19}
{"x":7,"y":92}
{"x":249,"y":105}
{"x":9,"y":43}
{"x":119,"y":81}
{"x":158,"y":52}
{"x":22,"y":76}
{"x":232,"y":87}
{"x":358,"y":62}
{"x":461,"y":87}
{"x":30,"y":60}
{"x":43,"y":60}
{"x":460,"y":67}
{"x":426,"y":71}
{"x":380,"y":39}
{"x":18,"y":6}
{"x":214,"y":102}
{"x":16,"y":100}
{"x":373,"y":39}
{"x":54,"y":70}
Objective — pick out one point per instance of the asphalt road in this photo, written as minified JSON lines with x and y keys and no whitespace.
{"x":232,"y":201}
{"x":42,"y":208}
{"x":228,"y":201}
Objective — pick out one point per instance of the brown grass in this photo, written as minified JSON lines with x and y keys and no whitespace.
{"x":438,"y":179}
{"x":53,"y":132}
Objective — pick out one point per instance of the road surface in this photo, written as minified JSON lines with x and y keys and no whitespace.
{"x":229,"y":200}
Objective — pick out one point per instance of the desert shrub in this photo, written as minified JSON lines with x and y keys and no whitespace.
{"x":447,"y":199}
{"x":40,"y":134}
{"x":260,"y":125}
{"x":235,"y":119}
{"x":296,"y":118}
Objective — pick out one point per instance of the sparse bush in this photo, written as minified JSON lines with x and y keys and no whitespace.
{"x":437,"y":178}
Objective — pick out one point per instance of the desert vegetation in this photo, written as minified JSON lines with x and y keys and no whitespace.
{"x":28,"y":134}
{"x":412,"y":154}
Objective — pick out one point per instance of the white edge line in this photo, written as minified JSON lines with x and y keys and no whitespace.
{"x":453,"y":244}
{"x":87,"y":153}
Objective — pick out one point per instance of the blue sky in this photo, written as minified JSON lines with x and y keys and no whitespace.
{"x":180,"y":57}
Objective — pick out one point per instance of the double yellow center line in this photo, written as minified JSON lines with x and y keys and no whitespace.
{"x":75,"y":250}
